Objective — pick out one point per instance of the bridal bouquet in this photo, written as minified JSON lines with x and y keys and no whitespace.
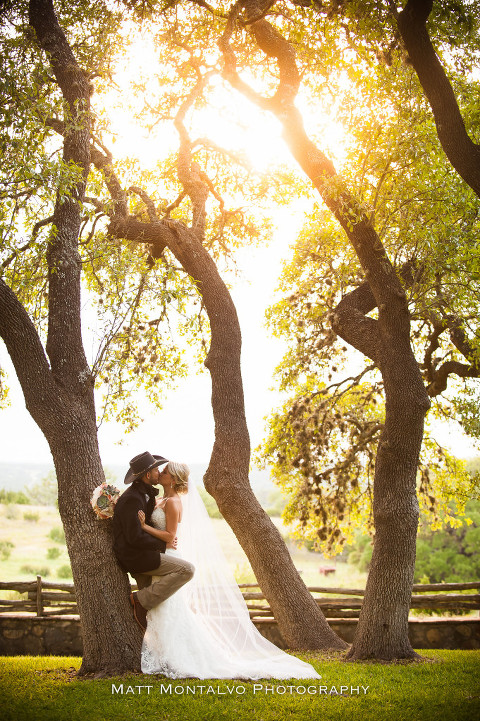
{"x":103,"y":500}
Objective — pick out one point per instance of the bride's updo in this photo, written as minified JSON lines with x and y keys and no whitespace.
{"x":180,"y":472}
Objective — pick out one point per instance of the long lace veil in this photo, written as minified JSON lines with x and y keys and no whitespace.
{"x":213,"y":594}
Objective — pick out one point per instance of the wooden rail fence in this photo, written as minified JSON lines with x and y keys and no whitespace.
{"x":340,"y":604}
{"x":55,"y":599}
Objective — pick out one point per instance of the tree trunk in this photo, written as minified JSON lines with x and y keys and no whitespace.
{"x":300,"y":621}
{"x":460,"y":149}
{"x":111,"y":638}
{"x":382,"y":630}
{"x":58,"y":390}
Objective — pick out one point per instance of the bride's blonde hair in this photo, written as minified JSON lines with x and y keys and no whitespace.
{"x":180,"y":472}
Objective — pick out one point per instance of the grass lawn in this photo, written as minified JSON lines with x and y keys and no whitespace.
{"x":447,"y":689}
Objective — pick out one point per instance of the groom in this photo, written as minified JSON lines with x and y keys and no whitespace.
{"x":139,"y":553}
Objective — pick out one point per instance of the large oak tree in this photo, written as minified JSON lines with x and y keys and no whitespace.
{"x":254,"y":29}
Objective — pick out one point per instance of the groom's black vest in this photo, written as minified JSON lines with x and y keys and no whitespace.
{"x":136,"y":550}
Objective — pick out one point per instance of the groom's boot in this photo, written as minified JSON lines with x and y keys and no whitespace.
{"x":139,"y":612}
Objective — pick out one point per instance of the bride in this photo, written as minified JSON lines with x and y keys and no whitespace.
{"x":204,"y":630}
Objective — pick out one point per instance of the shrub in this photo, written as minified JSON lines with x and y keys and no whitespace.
{"x":31,"y":516}
{"x":13,"y":497}
{"x":53,"y":553}
{"x":35,"y":571}
{"x":450,"y":555}
{"x":360,"y":554}
{"x":64,"y":572}
{"x":6,"y":549}
{"x":12,"y":513}
{"x":57,"y":534}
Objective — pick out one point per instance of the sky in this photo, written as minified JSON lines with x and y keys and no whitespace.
{"x":183,"y":430}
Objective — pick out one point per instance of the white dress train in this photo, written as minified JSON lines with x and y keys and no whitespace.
{"x":204,"y":634}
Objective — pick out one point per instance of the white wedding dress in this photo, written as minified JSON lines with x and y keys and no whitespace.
{"x":204,"y":630}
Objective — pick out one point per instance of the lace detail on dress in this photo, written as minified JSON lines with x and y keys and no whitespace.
{"x":158,"y":519}
{"x":151,"y":664}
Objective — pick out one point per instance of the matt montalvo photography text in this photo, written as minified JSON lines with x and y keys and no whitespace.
{"x":239,"y":690}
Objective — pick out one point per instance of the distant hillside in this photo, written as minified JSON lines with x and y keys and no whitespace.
{"x":17,"y":477}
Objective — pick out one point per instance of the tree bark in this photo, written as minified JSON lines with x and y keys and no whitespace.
{"x":111,"y":638}
{"x":382,"y":630}
{"x":300,"y":621}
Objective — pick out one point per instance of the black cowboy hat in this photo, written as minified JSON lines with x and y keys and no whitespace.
{"x":141,"y":464}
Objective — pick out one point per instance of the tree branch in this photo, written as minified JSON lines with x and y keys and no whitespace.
{"x":150,"y":205}
{"x":378,"y":269}
{"x":157,"y":234}
{"x":462,"y":152}
{"x":440,"y":379}
{"x":350,"y":321}
{"x":39,"y":224}
{"x":64,"y":343}
{"x":103,"y":162}
{"x":189,"y":173}
{"x":434,"y":343}
{"x":28,"y":356}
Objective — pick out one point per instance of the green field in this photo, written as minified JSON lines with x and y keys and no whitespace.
{"x":446,"y":688}
{"x":31,"y":544}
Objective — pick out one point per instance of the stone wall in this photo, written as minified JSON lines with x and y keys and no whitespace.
{"x":432,"y":633}
{"x":40,"y":636}
{"x":61,"y":635}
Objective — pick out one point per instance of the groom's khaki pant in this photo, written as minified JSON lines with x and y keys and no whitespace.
{"x":171,"y":575}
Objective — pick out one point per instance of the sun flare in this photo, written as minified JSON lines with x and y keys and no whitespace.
{"x":132,"y":110}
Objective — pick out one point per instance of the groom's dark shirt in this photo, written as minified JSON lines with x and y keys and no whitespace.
{"x":136,"y":550}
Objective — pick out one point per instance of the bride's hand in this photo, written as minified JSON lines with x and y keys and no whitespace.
{"x":141,"y":518}
{"x":173,"y":544}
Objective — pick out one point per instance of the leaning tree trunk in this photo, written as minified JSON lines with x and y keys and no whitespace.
{"x":111,"y":638}
{"x":462,"y":152}
{"x":301,"y":622}
{"x":299,"y":618}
